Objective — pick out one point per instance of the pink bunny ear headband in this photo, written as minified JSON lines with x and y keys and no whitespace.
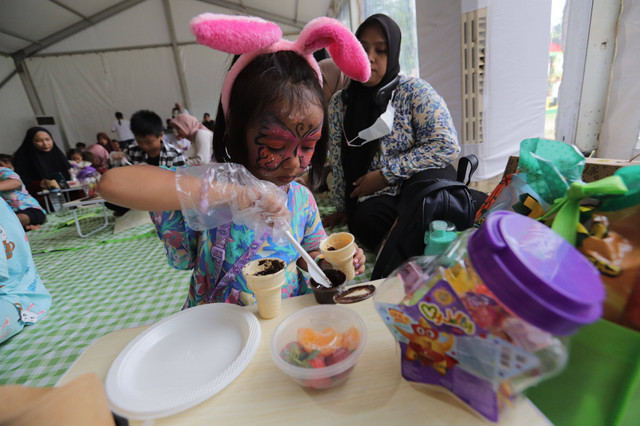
{"x":252,"y":36}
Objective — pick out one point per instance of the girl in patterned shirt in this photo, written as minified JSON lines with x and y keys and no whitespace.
{"x":269,"y":128}
{"x":29,"y":212}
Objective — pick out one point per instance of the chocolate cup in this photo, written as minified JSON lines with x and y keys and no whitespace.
{"x":354,"y":294}
{"x":324,"y":295}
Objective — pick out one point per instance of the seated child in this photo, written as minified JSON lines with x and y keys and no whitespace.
{"x":150,"y":148}
{"x":270,"y":126}
{"x":13,"y":191}
{"x":74,"y":156}
{"x":23,"y":299}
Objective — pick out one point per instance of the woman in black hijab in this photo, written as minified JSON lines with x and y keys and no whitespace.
{"x":382,"y":132}
{"x":39,"y":158}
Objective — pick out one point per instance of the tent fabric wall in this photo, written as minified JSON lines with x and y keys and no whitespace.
{"x":84,"y":91}
{"x":619,"y":133}
{"x":517,"y":53}
{"x":205,"y":69}
{"x":438,"y":25}
{"x":16,"y":114}
{"x":518,"y":35}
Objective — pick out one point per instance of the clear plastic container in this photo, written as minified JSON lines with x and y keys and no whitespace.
{"x":486,"y":319}
{"x":57,"y":199}
{"x":336,"y":353}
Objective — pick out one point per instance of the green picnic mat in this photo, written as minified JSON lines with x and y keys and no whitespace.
{"x":60,"y":233}
{"x":99,"y":284}
{"x":95,"y":290}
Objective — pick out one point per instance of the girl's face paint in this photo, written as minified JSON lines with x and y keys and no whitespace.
{"x":280,"y":144}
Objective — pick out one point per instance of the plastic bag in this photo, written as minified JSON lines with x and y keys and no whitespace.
{"x":217,"y":193}
{"x":89,"y":178}
{"x":513,"y":194}
{"x":551,"y":166}
{"x":546,"y":169}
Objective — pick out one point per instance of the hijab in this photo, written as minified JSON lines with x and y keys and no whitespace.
{"x":362,"y":109}
{"x":100,"y":155}
{"x":188,"y":124}
{"x":34,"y":165}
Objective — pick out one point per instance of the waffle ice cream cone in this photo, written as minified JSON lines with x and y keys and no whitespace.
{"x":338,"y":249}
{"x":265,"y":277}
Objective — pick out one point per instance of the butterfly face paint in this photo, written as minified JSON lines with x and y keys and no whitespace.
{"x":281,"y":145}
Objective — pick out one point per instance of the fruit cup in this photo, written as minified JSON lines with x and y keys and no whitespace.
{"x":319,"y":346}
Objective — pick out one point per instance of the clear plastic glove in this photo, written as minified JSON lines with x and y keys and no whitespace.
{"x":217,"y":193}
{"x":118,"y":159}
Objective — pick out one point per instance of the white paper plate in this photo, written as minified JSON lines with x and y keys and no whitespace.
{"x":182,"y":360}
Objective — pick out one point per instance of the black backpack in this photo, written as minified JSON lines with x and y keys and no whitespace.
{"x":428,"y":195}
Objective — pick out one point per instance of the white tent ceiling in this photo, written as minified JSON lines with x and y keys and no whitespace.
{"x":85,"y":59}
{"x":29,"y":27}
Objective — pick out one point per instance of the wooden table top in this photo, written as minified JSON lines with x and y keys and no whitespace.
{"x":375,"y":393}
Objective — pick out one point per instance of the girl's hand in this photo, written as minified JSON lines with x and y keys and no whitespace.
{"x":368,"y":184}
{"x":117,"y":156}
{"x":359,"y":260}
{"x":335,"y":219}
{"x":267,"y":199}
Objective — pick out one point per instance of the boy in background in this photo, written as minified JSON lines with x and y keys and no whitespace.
{"x":13,"y":191}
{"x":151,"y":148}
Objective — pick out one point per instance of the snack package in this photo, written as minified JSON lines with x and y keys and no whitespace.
{"x":486,"y":319}
{"x":89,"y":178}
{"x":610,"y":239}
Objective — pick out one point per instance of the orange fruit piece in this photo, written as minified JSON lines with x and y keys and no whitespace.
{"x":351,"y":339}
{"x":326,"y":341}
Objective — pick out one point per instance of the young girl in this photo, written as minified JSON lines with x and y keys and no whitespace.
{"x":29,"y":212}
{"x":270,"y":127}
{"x":74,"y":156}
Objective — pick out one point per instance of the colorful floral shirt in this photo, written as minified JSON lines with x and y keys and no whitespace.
{"x":18,"y":199}
{"x":188,"y":249}
{"x":423,"y":137}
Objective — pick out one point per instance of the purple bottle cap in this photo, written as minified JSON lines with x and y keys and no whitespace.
{"x":536,"y":273}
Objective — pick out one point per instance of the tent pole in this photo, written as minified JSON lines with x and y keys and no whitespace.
{"x":7,"y":78}
{"x":29,"y":87}
{"x":186,"y":101}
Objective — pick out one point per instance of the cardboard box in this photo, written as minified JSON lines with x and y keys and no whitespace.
{"x":594,"y":168}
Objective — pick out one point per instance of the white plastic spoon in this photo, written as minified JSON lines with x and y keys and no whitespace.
{"x":314,"y":270}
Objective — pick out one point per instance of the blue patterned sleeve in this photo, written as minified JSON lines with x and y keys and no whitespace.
{"x":435,"y":142}
{"x":180,"y":242}
{"x":314,"y":232}
{"x":335,"y":154}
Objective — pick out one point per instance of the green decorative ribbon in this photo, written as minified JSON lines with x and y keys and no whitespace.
{"x":567,"y":208}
